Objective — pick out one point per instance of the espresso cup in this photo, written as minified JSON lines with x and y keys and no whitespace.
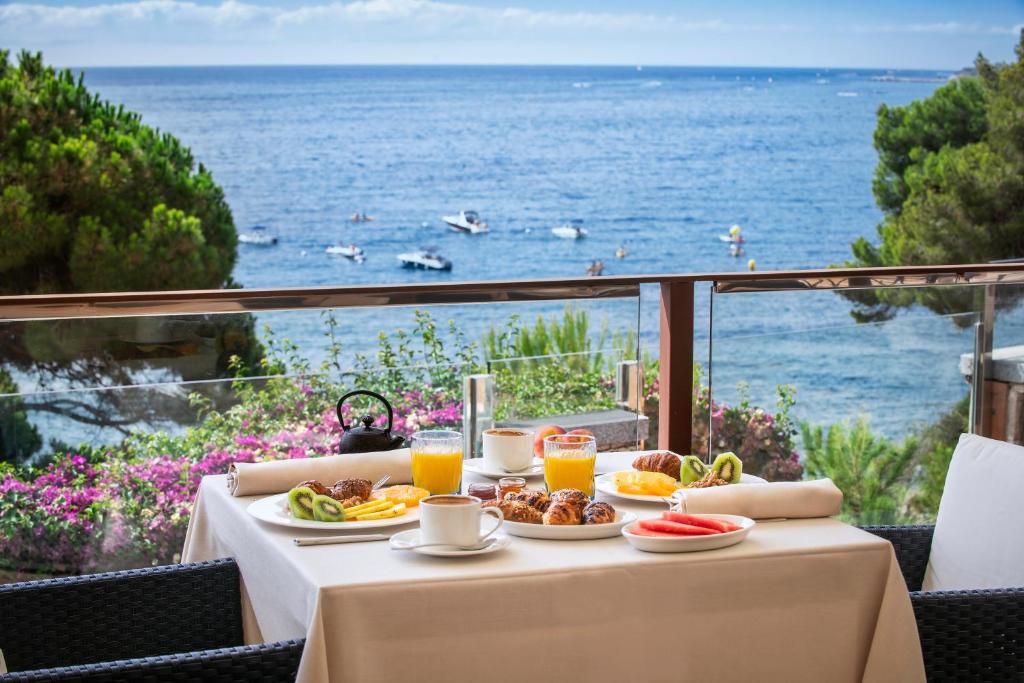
{"x":455,"y":520}
{"x":508,"y":449}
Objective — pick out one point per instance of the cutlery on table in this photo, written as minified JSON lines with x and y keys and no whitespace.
{"x":331,"y":540}
{"x":380,"y":482}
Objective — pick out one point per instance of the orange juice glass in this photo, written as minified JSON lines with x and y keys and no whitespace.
{"x":569,"y":462}
{"x":437,"y":461}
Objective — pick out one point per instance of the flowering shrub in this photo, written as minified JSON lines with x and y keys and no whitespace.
{"x":56,"y":522}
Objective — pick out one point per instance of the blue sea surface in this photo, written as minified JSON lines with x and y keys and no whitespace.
{"x":661,"y":161}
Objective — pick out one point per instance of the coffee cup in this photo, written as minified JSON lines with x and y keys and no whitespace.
{"x":508,"y":449}
{"x":455,"y":520}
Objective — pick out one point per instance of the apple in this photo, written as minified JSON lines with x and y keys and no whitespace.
{"x":538,"y":437}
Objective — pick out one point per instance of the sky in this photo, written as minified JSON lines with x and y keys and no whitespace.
{"x":892,"y":34}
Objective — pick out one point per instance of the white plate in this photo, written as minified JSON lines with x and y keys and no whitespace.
{"x":274,"y":510}
{"x":689,"y":544}
{"x":606,"y":485}
{"x":477,"y":466}
{"x":571,"y":532}
{"x":403,"y":539}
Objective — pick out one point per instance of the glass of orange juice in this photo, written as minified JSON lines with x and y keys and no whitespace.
{"x":569,"y":462}
{"x":437,"y":461}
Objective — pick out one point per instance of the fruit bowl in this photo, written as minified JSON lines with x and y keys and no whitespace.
{"x":689,"y":544}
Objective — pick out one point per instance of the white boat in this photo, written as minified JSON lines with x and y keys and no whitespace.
{"x":351,"y":251}
{"x":570,"y":231}
{"x":467,"y":221}
{"x":258,"y":237}
{"x":738,"y":239}
{"x":424,"y":259}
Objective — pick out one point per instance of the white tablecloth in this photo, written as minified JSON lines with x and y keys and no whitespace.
{"x":800,"y":600}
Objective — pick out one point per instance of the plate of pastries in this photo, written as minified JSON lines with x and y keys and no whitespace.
{"x":564,"y":515}
{"x":347,"y":505}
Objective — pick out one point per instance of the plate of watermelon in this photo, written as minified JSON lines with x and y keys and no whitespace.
{"x":676,"y":532}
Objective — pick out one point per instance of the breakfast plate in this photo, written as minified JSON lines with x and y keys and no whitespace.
{"x":477,"y":466}
{"x":605,"y":483}
{"x":688,"y":544}
{"x":408,"y":539}
{"x":274,"y":510}
{"x":570,"y":532}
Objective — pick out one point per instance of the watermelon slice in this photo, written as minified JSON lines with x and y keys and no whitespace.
{"x":639,"y":531}
{"x":675,"y":528}
{"x":706,"y":522}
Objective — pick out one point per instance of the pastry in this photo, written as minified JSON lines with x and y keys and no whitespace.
{"x":562,"y":513}
{"x":315,"y":486}
{"x":533,"y":498}
{"x":349,"y":488}
{"x":664,"y":462}
{"x":598,"y":513}
{"x":573,"y":497}
{"x":518,"y":511}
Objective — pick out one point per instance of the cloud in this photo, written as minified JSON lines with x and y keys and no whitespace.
{"x":940,"y":28}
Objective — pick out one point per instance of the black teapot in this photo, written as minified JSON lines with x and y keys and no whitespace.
{"x":367,"y":438}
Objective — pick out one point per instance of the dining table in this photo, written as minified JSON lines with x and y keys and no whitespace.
{"x":797,"y":600}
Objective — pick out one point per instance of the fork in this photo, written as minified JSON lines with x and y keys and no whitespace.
{"x":380,"y":482}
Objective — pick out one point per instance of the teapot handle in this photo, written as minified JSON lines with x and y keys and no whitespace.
{"x":364,"y":392}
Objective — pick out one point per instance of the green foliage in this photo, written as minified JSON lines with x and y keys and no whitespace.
{"x":933,"y":456}
{"x":550,"y":389}
{"x":568,"y":340}
{"x":950,"y":181}
{"x":870,"y":470}
{"x":93,"y":200}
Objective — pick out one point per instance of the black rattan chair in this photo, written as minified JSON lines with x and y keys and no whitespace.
{"x":968,"y":635}
{"x":175,"y":623}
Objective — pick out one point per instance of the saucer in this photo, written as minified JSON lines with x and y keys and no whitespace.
{"x":403,"y":539}
{"x":477,"y":466}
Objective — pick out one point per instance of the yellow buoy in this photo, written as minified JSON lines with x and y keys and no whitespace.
{"x":735,"y":230}
{"x":752,"y":264}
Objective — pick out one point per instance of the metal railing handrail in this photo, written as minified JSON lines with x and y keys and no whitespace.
{"x":183,"y":302}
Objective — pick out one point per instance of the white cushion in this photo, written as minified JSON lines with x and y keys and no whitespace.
{"x":979,"y":531}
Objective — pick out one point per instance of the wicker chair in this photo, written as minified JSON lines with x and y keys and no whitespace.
{"x":968,"y":635}
{"x":175,"y":623}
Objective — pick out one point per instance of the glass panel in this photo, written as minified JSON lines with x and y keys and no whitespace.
{"x":801,"y":390}
{"x":108,"y":425}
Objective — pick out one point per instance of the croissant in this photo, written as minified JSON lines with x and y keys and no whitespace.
{"x":571,"y":496}
{"x":349,"y":488}
{"x":666,"y":463}
{"x":562,"y":513}
{"x":518,"y":511}
{"x":598,"y":513}
{"x":535,"y":499}
{"x":315,"y":486}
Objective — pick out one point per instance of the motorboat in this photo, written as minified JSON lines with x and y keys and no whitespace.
{"x":258,"y":237}
{"x":424,"y":259}
{"x":467,"y":221}
{"x":572,"y":230}
{"x":361,"y":218}
{"x":350,"y":251}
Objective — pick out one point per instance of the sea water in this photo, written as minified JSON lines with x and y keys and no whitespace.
{"x":661,"y":162}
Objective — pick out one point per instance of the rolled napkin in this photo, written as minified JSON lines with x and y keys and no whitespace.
{"x":791,"y":499}
{"x":278,"y":476}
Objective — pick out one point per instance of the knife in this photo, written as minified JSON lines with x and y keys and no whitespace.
{"x":331,"y":540}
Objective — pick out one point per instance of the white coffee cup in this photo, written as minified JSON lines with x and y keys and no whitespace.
{"x":508,"y":449}
{"x":455,"y":520}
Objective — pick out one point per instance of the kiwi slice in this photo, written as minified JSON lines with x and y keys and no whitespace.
{"x":728,"y":467}
{"x":300,"y":500}
{"x":327,"y":509}
{"x":692,"y":469}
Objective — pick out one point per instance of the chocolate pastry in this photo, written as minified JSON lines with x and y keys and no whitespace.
{"x":573,"y":497}
{"x":518,"y":511}
{"x":598,"y":513}
{"x":350,"y":488}
{"x":562,"y":513}
{"x":666,"y":463}
{"x":315,"y":486}
{"x":533,"y":498}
